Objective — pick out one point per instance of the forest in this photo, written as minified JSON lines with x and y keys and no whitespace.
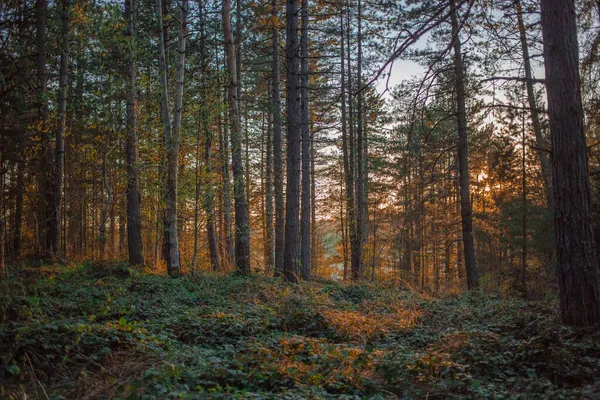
{"x":299,"y":199}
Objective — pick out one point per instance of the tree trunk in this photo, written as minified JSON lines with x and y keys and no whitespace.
{"x":540,"y":141}
{"x":347,"y":154}
{"x":172,"y":138}
{"x":224,"y":149}
{"x":107,"y":196}
{"x":305,"y":247}
{"x":291,"y":254}
{"x":209,"y":198}
{"x":45,"y":183}
{"x":3,"y":272}
{"x":242,"y":234}
{"x":575,"y":246}
{"x":277,"y":148}
{"x":361,"y":204}
{"x":355,"y":251}
{"x":463,"y":157}
{"x":133,"y":196}
{"x":16,"y":251}
{"x":59,"y":148}
{"x":270,"y":234}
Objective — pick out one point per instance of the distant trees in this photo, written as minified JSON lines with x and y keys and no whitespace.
{"x":440,"y":182}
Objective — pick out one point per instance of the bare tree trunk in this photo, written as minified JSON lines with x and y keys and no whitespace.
{"x":305,"y":246}
{"x":463,"y":157}
{"x":575,"y":246}
{"x":540,"y":141}
{"x":172,"y":137}
{"x":59,"y":148}
{"x":107,"y":195}
{"x":277,"y":148}
{"x":3,"y":272}
{"x":45,"y":159}
{"x":135,"y":248}
{"x":347,"y":151}
{"x":209,"y":198}
{"x":291,"y":254}
{"x":19,"y":202}
{"x":224,"y":149}
{"x":270,"y":234}
{"x":242,"y":233}
{"x":361,"y":204}
{"x":355,"y":251}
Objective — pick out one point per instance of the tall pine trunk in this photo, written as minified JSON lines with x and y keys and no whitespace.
{"x":242,"y":234}
{"x":46,"y":200}
{"x":291,"y":253}
{"x":209,"y":197}
{"x":277,"y":147}
{"x":305,"y":217}
{"x":59,"y":148}
{"x":575,"y":246}
{"x":463,"y":156}
{"x":133,"y":196}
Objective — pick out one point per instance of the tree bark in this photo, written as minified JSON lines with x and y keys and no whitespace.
{"x":346,"y":151}
{"x":270,"y":234}
{"x":355,"y":251}
{"x":277,"y":147}
{"x":242,"y":234}
{"x":133,"y":197}
{"x":209,"y":198}
{"x":361,"y":204}
{"x":45,"y":182}
{"x":575,"y":246}
{"x":291,"y":254}
{"x":59,"y":148}
{"x":305,"y":232}
{"x":463,"y":156}
{"x":172,"y":138}
{"x":227,"y":229}
{"x":107,"y":194}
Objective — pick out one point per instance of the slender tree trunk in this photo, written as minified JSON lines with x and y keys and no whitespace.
{"x":196,"y":197}
{"x":209,"y":198}
{"x":355,"y":251}
{"x":19,"y":202}
{"x":347,"y":152}
{"x":575,"y":246}
{"x":224,"y":149}
{"x":107,"y":194}
{"x":291,"y":254}
{"x":242,"y":232}
{"x":270,"y":234}
{"x":463,"y":157}
{"x":59,"y":148}
{"x":361,"y":204}
{"x":305,"y":247}
{"x":45,"y":159}
{"x":523,"y":274}
{"x":540,"y":141}
{"x":313,"y":207}
{"x":172,"y":138}
{"x":133,"y":196}
{"x":277,"y":147}
{"x":3,"y":272}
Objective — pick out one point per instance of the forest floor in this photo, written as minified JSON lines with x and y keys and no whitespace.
{"x":93,"y":332}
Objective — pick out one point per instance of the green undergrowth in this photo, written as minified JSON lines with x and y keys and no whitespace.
{"x":94,"y":332}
